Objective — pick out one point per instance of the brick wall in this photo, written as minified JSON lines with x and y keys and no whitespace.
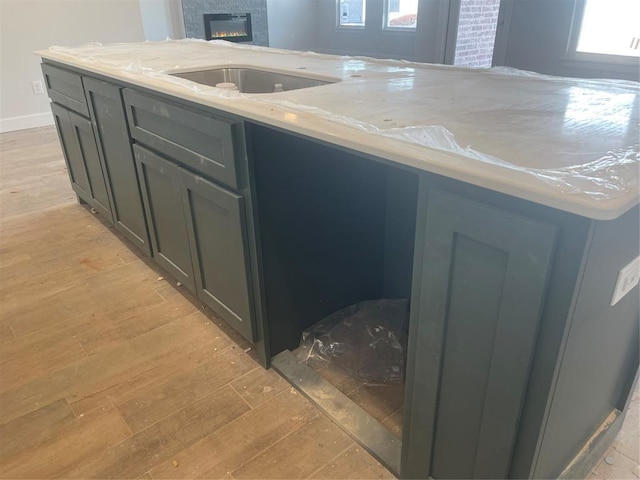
{"x":476,"y":32}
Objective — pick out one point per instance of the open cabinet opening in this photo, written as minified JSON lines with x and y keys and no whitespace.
{"x":337,"y":239}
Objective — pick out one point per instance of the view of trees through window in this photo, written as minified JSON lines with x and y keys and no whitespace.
{"x":352,"y":13}
{"x":401,"y":13}
{"x":610,"y":27}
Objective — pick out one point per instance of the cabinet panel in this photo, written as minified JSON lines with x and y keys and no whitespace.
{"x":65,"y":88}
{"x":107,"y":113}
{"x":193,"y":138}
{"x":165,"y":214}
{"x":72,"y":153}
{"x":89,"y":153}
{"x":215,"y":222}
{"x":482,"y":283}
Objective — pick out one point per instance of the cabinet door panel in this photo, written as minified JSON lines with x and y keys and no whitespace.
{"x":165,"y":214}
{"x":72,"y":153}
{"x":107,"y":113}
{"x":89,"y":153}
{"x":215,"y":222}
{"x":482,"y":281}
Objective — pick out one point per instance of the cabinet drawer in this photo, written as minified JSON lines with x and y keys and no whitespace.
{"x":198,"y":140}
{"x":65,"y":87}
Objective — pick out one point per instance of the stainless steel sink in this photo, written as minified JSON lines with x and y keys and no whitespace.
{"x":249,"y":80}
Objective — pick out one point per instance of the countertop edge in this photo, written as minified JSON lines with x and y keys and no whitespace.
{"x":439,"y":162}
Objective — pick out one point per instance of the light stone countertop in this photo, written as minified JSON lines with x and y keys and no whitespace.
{"x":571,"y":144}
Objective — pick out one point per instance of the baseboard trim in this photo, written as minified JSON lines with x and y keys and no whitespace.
{"x":24,"y":122}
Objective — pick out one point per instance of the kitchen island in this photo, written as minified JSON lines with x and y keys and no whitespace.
{"x":503,"y":205}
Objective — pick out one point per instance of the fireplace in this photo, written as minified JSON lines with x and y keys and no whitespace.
{"x":234,"y":27}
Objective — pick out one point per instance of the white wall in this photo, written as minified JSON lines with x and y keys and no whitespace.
{"x":293,"y":25}
{"x":162,"y":19}
{"x":311,"y":25}
{"x":28,"y":25}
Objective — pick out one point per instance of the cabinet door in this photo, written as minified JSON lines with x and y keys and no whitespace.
{"x":110,"y":123}
{"x":216,"y":227}
{"x":89,"y":153}
{"x":72,"y":153}
{"x":479,"y":288}
{"x":165,"y":214}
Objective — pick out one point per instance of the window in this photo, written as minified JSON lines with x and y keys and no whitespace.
{"x":608,"y":27}
{"x":401,"y":14}
{"x":351,"y":13}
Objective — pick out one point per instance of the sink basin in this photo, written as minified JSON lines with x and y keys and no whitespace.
{"x":249,"y":80}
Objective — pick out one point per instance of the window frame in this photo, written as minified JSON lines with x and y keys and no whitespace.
{"x":356,"y":27}
{"x":385,"y":17}
{"x":574,"y":56}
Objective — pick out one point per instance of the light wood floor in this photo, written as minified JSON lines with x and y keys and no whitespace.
{"x":107,"y":371}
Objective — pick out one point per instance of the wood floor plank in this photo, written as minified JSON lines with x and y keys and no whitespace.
{"x":137,"y":455}
{"x":354,"y":463}
{"x":19,"y":201}
{"x":28,"y":431}
{"x":312,"y":446}
{"x":101,"y":371}
{"x":21,"y":362}
{"x":6,"y":334}
{"x":230,"y":447}
{"x":110,"y":331}
{"x":259,"y":386}
{"x":20,"y":139}
{"x":153,"y":372}
{"x":71,"y":267}
{"x":151,"y":405}
{"x":84,"y":436}
{"x":93,"y":296}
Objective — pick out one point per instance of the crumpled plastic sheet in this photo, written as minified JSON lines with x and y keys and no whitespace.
{"x":596,"y":113}
{"x":366,"y":340}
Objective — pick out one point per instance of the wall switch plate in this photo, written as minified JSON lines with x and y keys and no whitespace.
{"x":627,"y":279}
{"x":38,"y":88}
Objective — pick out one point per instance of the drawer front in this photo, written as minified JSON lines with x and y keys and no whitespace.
{"x":65,"y":87}
{"x":197,"y":140}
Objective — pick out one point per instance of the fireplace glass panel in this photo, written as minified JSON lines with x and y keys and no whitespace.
{"x":228,"y":26}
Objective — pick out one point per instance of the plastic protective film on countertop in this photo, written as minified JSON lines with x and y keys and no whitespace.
{"x":580,"y":136}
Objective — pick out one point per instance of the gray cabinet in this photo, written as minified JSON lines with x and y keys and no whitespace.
{"x":202,"y":241}
{"x":479,"y":290}
{"x":165,"y":215}
{"x":218,"y":243}
{"x":82,"y":159}
{"x":110,"y":122}
{"x":194,"y":228}
{"x":98,"y":151}
{"x":197,"y":231}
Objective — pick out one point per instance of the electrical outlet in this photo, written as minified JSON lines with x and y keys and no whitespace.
{"x":38,"y":88}
{"x":627,"y":279}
